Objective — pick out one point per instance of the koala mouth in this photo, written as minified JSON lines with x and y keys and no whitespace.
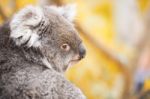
{"x":73,"y":62}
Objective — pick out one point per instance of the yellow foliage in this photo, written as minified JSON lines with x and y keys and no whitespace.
{"x":98,"y":75}
{"x":23,"y":3}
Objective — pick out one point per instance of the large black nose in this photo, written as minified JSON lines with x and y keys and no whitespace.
{"x":82,"y":51}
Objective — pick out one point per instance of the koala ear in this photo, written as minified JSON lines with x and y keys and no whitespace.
{"x":21,"y":26}
{"x":68,"y":11}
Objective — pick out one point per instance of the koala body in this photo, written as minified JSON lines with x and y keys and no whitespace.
{"x":36,"y":47}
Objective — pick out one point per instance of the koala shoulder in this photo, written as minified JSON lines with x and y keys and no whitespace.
{"x":59,"y":84}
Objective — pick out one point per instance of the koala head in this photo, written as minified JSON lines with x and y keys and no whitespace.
{"x":51,"y":30}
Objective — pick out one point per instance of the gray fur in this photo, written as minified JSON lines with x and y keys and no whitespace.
{"x":23,"y":74}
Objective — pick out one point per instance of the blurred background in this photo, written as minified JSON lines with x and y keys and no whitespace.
{"x":116,"y":34}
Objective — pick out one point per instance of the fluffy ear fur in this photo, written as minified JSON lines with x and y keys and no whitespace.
{"x":21,"y":26}
{"x":24,"y":21}
{"x":68,"y":11}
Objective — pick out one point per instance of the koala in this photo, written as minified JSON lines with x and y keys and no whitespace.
{"x":37,"y":45}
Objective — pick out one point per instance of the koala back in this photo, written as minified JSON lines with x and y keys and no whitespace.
{"x":23,"y":73}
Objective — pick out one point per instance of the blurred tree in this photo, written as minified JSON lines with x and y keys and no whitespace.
{"x":106,"y":72}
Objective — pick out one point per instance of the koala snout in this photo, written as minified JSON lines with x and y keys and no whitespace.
{"x":82,"y":51}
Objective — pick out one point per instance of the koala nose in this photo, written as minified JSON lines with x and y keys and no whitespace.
{"x":82,"y":51}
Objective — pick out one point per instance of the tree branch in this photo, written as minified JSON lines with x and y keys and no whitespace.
{"x":4,"y":17}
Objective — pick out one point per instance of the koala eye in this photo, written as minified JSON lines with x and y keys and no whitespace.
{"x":65,"y":47}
